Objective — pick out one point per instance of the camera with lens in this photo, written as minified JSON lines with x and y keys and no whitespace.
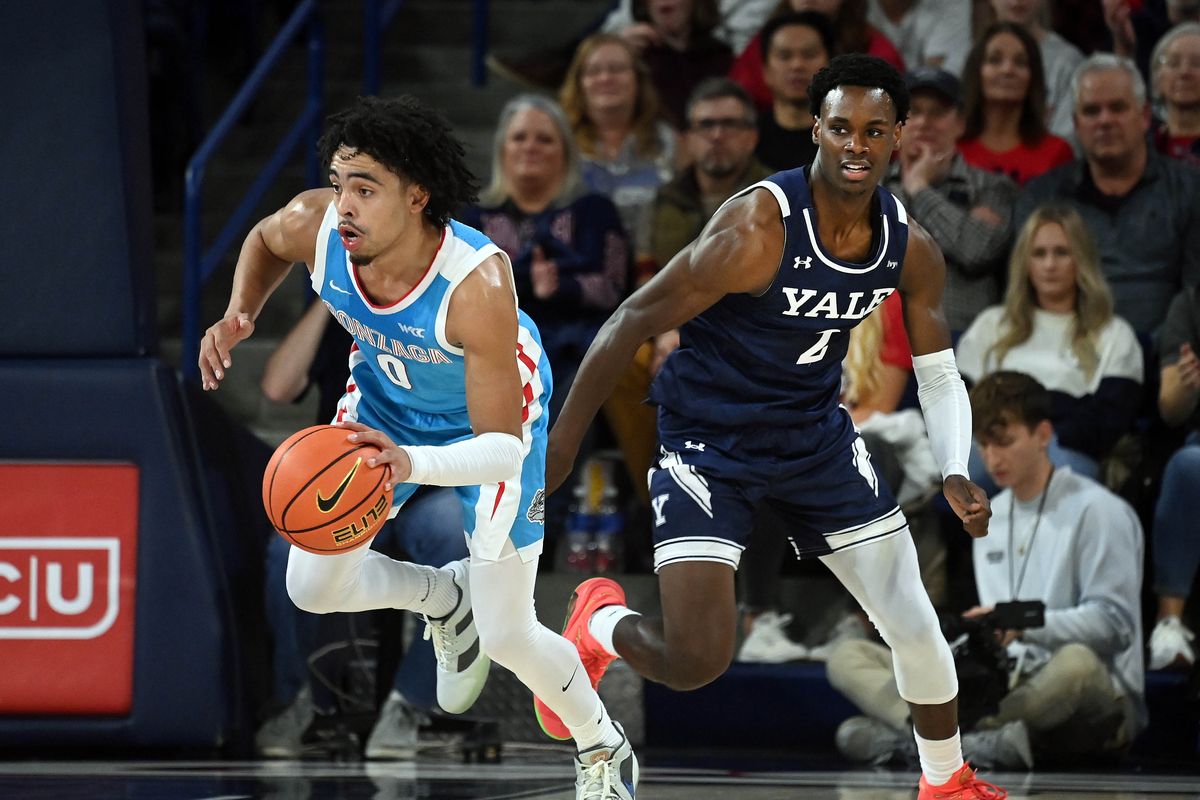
{"x":980,"y":661}
{"x":1017,"y":615}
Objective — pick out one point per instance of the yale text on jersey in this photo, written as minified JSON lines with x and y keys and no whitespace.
{"x":833,"y":305}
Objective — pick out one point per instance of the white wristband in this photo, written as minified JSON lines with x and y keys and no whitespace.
{"x":947,"y":410}
{"x":486,"y":458}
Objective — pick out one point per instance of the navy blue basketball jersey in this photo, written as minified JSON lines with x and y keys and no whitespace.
{"x":776,"y":358}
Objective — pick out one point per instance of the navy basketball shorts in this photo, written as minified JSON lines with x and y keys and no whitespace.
{"x":817,"y":475}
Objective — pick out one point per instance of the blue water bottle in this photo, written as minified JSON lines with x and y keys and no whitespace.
{"x":578,"y":533}
{"x":607,"y":538}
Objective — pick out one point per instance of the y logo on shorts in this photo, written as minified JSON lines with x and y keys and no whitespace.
{"x":657,"y":503}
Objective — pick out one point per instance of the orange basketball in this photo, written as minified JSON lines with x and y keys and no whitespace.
{"x":320,"y":494}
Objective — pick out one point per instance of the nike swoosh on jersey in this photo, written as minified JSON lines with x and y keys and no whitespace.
{"x":337,"y":288}
{"x":327,"y":504}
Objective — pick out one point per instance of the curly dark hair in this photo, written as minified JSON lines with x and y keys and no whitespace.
{"x":857,"y":69}
{"x":413,"y":141}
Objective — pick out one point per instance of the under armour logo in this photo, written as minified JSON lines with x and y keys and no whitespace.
{"x":690,"y":445}
{"x":806,"y":261}
{"x":657,"y":504}
{"x":892,"y":264}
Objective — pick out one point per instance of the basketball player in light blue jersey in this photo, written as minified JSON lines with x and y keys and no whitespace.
{"x":765,"y":299}
{"x":448,"y":379}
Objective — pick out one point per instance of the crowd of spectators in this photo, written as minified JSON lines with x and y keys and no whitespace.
{"x":1055,"y":163}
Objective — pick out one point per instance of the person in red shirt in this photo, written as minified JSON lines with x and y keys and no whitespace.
{"x":854,"y":35}
{"x":1004,"y":103}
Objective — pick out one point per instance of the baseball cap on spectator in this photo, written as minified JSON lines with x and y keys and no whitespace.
{"x":936,"y":80}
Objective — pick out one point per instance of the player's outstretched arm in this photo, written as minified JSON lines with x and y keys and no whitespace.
{"x":272,"y":246}
{"x":738,"y":251}
{"x":940,"y":389}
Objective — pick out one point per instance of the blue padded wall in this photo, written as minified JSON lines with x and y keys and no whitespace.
{"x":76,"y":225}
{"x":186,"y":685}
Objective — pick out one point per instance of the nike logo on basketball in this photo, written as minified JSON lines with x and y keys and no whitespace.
{"x":573,"y":673}
{"x":337,"y":288}
{"x":327,"y":504}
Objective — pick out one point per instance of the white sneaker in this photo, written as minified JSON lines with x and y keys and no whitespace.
{"x":848,"y":627}
{"x":607,"y":773}
{"x":1169,"y":644}
{"x":394,"y":736}
{"x":866,"y":740}
{"x":1006,"y":747}
{"x":462,"y":668}
{"x":767,"y":642}
{"x":281,"y":736}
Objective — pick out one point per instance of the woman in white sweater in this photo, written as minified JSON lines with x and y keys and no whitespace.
{"x":1057,"y":325}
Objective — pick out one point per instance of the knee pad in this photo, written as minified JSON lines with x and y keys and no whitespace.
{"x":305,"y":586}
{"x":921,"y":657}
{"x":307,"y":596}
{"x":506,"y":639}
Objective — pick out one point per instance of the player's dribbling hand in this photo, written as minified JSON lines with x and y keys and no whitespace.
{"x":396,"y":460}
{"x":215,"y":346}
{"x":970,"y":503}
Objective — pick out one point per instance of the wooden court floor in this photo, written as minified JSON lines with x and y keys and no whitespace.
{"x":546,"y":776}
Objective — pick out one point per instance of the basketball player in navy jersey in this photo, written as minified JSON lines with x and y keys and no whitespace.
{"x":765,"y":299}
{"x":448,"y":379}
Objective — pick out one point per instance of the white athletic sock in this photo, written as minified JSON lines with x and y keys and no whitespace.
{"x":598,"y":730}
{"x":436,"y":595}
{"x":604,"y":622}
{"x":940,"y":758}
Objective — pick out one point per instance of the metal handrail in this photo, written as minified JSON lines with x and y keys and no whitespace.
{"x":199,"y":263}
{"x":378,"y":15}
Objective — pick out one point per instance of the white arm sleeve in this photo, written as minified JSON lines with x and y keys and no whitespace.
{"x":487,"y":458}
{"x":947,"y":410}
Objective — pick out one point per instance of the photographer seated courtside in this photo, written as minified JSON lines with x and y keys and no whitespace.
{"x":1059,"y":580}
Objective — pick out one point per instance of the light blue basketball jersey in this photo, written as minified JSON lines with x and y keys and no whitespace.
{"x":408,"y":380}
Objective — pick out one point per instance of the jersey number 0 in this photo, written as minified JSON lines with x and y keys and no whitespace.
{"x":394,"y":369}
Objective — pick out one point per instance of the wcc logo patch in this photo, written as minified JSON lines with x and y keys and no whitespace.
{"x":537,"y":508}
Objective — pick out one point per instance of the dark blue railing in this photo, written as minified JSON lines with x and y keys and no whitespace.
{"x":378,"y":15}
{"x":199,"y":263}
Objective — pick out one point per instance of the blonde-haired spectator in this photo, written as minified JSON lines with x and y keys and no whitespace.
{"x":627,"y":151}
{"x":1057,"y":325}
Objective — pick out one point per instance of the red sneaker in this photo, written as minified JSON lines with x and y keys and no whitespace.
{"x":588,"y":598}
{"x":963,"y":785}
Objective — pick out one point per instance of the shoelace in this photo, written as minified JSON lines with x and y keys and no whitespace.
{"x":598,"y":781}
{"x":980,"y":789}
{"x":442,"y":651}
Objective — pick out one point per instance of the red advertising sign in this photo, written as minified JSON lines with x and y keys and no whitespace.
{"x":68,"y":562}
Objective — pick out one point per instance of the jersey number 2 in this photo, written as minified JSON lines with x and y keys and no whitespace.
{"x":818,"y":349}
{"x":394,"y":369}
